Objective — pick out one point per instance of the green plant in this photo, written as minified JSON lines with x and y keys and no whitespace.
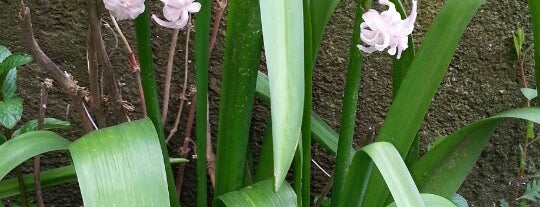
{"x":375,"y":175}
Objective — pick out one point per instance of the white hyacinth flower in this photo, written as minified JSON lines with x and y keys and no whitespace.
{"x":124,"y":9}
{"x":380,"y":31}
{"x":177,"y":13}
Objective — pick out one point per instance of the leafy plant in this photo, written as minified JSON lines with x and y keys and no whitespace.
{"x":133,"y":156}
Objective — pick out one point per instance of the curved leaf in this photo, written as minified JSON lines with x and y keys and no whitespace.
{"x":444,"y":168}
{"x":243,"y":46}
{"x":14,"y":60}
{"x":282,"y":24}
{"x":121,"y":166}
{"x":260,"y":194}
{"x":393,"y":169}
{"x":432,"y":200}
{"x":17,"y":150}
{"x":10,"y":112}
{"x":48,"y":124}
{"x":4,"y":53}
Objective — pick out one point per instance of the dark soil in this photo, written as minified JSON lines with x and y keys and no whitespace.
{"x":482,"y":80}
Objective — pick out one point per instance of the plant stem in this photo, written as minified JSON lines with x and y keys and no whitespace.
{"x":168,"y":75}
{"x":202,"y":26}
{"x":133,"y":63}
{"x":221,"y":4}
{"x":184,"y":150}
{"x":350,"y":101}
{"x":150,"y":94}
{"x":183,"y":95}
{"x":47,"y":83}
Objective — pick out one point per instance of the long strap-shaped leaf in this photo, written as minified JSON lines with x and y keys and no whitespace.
{"x":242,"y":54}
{"x":393,"y":169}
{"x":121,"y":166}
{"x":25,"y":146}
{"x":421,"y":83}
{"x":282,"y":24}
{"x":260,"y":194}
{"x":444,"y":168}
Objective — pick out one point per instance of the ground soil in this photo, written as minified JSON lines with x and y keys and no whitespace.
{"x":482,"y":80}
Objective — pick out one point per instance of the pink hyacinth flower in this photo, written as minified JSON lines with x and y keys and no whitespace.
{"x":125,"y":9}
{"x":176,"y":12}
{"x":380,"y":31}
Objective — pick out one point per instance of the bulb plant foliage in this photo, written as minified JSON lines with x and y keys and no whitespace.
{"x":128,"y":164}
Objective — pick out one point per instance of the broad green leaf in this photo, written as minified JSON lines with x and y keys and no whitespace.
{"x":48,"y":124}
{"x":260,"y":194}
{"x":529,"y":93}
{"x":9,"y":86}
{"x":121,"y":166}
{"x":437,"y":171}
{"x":4,"y":53}
{"x":243,"y":46}
{"x":53,"y":177}
{"x":17,"y":150}
{"x":48,"y":178}
{"x":282,"y":24}
{"x":10,"y":112}
{"x":432,"y":200}
{"x":396,"y":175}
{"x":14,"y":60}
{"x":423,"y":78}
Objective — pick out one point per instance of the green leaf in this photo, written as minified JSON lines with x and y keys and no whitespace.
{"x":17,"y":150}
{"x":437,"y":172}
{"x":121,"y":166}
{"x":48,"y":178}
{"x":243,"y":46}
{"x":9,"y":86}
{"x":10,"y":112}
{"x":282,"y":24}
{"x":423,"y":78}
{"x":396,"y":175}
{"x":532,"y":192}
{"x":48,"y":124}
{"x":529,"y":93}
{"x":534,"y":11}
{"x":432,"y":201}
{"x":52,"y":177}
{"x":260,"y":194}
{"x":4,"y":53}
{"x":459,"y":201}
{"x":14,"y":60}
{"x":202,"y":62}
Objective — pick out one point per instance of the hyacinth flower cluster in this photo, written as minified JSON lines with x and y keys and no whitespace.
{"x":176,"y":12}
{"x":386,"y":30}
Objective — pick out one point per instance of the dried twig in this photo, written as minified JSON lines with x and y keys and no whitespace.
{"x":45,"y":86}
{"x":184,"y":150}
{"x":65,"y":80}
{"x":109,"y":76}
{"x":93,"y":75}
{"x":168,"y":75}
{"x":133,"y":63}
